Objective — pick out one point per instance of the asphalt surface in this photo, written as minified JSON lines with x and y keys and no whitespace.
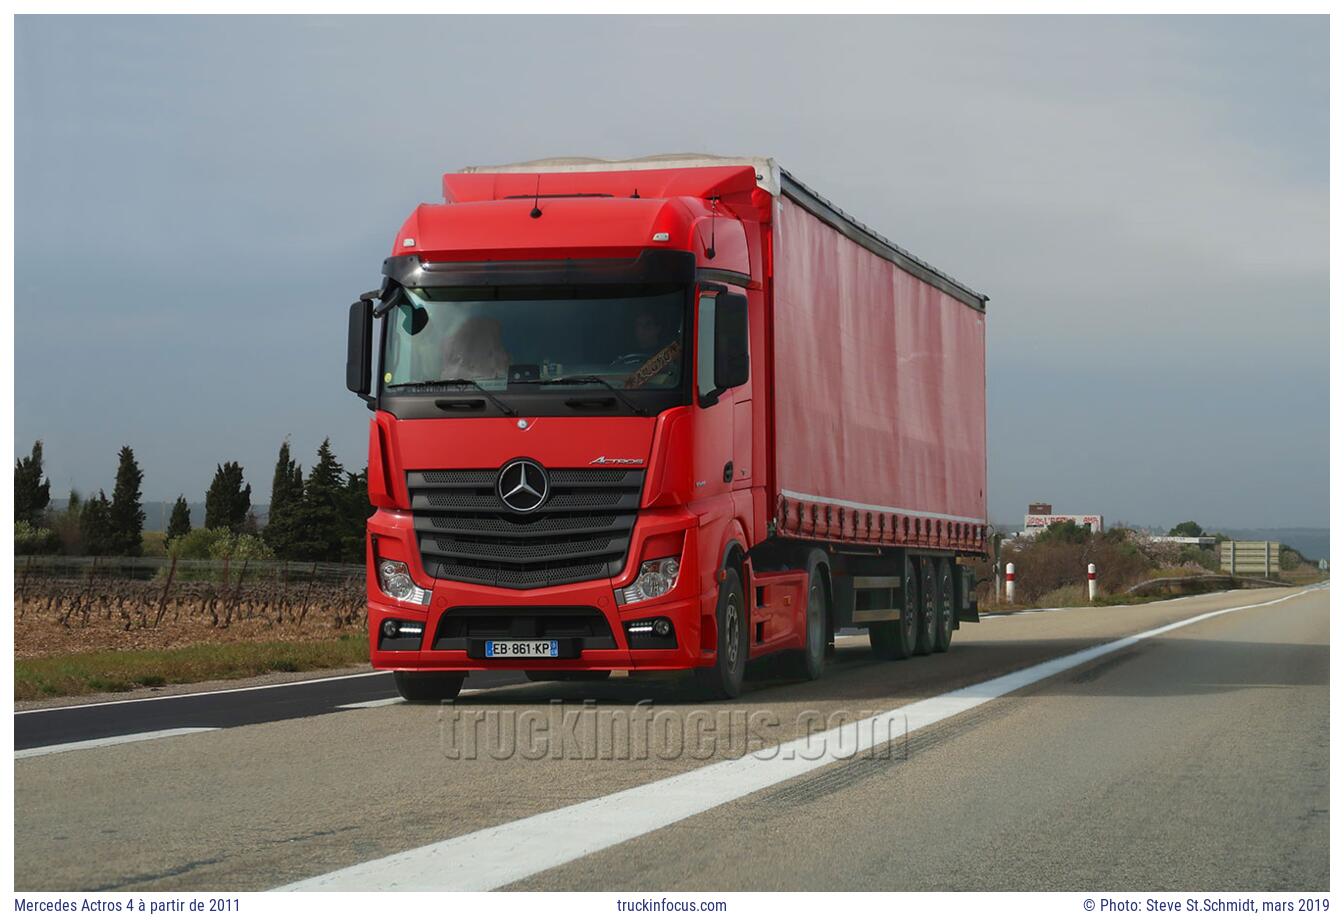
{"x":1193,"y":759}
{"x":35,"y":728}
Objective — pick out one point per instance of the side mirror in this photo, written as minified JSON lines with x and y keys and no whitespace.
{"x":732,"y":363}
{"x":358,"y":364}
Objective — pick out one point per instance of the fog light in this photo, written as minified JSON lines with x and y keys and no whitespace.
{"x":394,"y":578}
{"x":390,"y":628}
{"x":651,"y":632}
{"x":656,"y":577}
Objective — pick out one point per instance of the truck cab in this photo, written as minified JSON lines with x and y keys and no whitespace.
{"x":560,"y":371}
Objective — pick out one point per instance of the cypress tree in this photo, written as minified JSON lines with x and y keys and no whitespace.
{"x":322,"y":512}
{"x":95,"y":525}
{"x":179,"y":522}
{"x":284,"y":521}
{"x":357,"y":511}
{"x":228,"y":498}
{"x":126,"y":516}
{"x":32,"y":492}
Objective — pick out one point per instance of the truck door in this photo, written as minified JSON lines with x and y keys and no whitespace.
{"x":714,"y":466}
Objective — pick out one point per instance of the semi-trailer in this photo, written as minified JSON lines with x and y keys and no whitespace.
{"x":669,"y":414}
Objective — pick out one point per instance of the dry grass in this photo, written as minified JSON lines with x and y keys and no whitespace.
{"x":121,"y":669}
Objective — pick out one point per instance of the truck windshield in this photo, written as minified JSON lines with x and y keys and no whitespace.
{"x":628,"y":336}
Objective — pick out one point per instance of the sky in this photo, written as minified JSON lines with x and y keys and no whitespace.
{"x":1144,"y":199}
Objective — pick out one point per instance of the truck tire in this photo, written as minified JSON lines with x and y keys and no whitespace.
{"x":567,"y":675}
{"x":928,"y":606}
{"x":947,"y":619}
{"x":723,"y":679}
{"x":895,"y":640}
{"x":429,"y":686}
{"x":809,"y":662}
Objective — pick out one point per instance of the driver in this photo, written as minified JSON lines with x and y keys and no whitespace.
{"x":649,"y":337}
{"x":658,"y":351}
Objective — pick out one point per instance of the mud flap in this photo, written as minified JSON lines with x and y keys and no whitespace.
{"x":968,"y":609}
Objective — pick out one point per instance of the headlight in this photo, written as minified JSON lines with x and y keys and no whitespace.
{"x":656,"y":577}
{"x":394,"y":578}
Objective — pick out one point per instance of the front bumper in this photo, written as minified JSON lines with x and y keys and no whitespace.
{"x":458,"y":617}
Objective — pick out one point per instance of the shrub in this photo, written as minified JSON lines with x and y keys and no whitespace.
{"x":1048,"y":566}
{"x":197,"y":543}
{"x":219,"y":543}
{"x":240,"y":547}
{"x":34,"y":541}
{"x":1064,"y":532}
{"x":1290,"y":559}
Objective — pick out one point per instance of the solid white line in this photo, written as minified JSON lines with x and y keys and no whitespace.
{"x":180,"y":696}
{"x":371,"y":704}
{"x":390,"y":701}
{"x":497,"y":856}
{"x":107,"y":742}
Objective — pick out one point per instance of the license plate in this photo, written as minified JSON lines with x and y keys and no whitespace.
{"x":523,"y":648}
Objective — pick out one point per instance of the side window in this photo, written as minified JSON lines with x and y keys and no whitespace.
{"x":704,"y":345}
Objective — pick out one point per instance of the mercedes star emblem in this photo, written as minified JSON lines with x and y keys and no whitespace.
{"x":523,"y":485}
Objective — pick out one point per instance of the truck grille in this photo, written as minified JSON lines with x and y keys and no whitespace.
{"x":581,"y":532}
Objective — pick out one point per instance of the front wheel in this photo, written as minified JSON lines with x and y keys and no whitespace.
{"x":723,"y":679}
{"x":810,"y":661}
{"x":429,"y":686}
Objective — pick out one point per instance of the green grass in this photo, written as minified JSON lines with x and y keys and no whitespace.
{"x":80,"y":673}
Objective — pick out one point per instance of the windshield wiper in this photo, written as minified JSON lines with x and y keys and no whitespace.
{"x":460,"y":382}
{"x":589,"y":378}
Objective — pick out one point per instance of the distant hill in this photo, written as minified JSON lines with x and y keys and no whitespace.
{"x":1312,"y":542}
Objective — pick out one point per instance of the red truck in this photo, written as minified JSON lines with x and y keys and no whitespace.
{"x":670,"y":414}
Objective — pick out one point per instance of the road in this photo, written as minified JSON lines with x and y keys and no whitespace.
{"x":38,"y":729}
{"x":1178,"y":745}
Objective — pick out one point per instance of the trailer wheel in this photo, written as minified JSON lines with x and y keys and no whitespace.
{"x":808,"y":662}
{"x":947,"y":620}
{"x":429,"y":686}
{"x":928,"y":606}
{"x":895,"y":639}
{"x":723,"y":679}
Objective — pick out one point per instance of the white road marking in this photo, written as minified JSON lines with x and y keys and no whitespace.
{"x":393,"y":700}
{"x":371,"y":704}
{"x":107,"y":742}
{"x":497,"y":856}
{"x":179,"y":696}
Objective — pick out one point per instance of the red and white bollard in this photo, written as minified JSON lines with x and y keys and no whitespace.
{"x":1009,"y":580}
{"x":1091,"y":581}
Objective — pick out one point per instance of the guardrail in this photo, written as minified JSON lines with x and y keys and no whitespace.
{"x":1204,"y":583}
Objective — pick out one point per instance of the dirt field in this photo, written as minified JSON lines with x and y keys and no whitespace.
{"x":58,"y":614}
